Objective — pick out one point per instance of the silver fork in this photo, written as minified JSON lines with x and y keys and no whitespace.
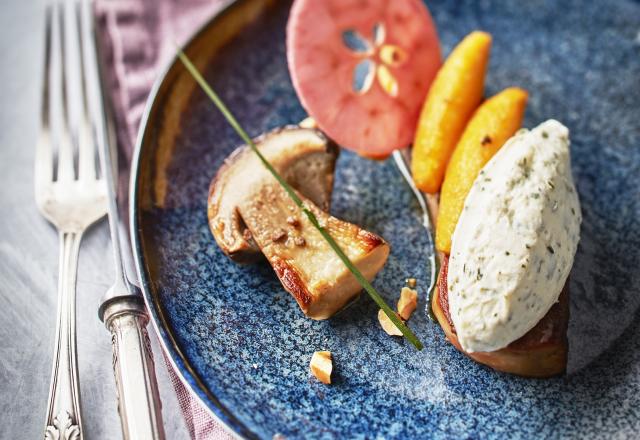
{"x":71,"y":201}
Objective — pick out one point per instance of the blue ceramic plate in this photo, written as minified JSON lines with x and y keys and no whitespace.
{"x":241,"y":343}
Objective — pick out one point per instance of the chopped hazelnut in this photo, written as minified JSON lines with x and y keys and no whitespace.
{"x":278,"y":235}
{"x":308,"y":122}
{"x":407,"y":303}
{"x":411,"y":283}
{"x":299,"y":241}
{"x":388,"y":325}
{"x":321,"y":366}
{"x":293,"y":221}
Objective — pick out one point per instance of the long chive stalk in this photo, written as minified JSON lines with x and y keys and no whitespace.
{"x":310,"y":215}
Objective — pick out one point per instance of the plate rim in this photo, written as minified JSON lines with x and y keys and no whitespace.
{"x":171,"y":352}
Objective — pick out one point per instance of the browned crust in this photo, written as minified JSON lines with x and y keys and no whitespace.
{"x":369,"y":240}
{"x":292,"y":282}
{"x":541,"y":352}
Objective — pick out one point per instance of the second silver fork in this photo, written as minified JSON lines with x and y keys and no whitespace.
{"x":72,"y":200}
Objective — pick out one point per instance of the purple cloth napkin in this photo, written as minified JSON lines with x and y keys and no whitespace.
{"x":137,"y":39}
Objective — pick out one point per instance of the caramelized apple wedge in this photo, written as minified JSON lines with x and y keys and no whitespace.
{"x":542,"y":352}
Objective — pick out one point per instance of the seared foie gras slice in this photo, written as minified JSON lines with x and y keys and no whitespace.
{"x":541,"y":352}
{"x":304,"y":262}
{"x":304,"y":157}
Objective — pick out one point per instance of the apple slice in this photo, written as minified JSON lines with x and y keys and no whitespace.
{"x":362,"y":68}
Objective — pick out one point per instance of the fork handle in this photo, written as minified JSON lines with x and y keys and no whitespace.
{"x":63,"y":412}
{"x":138,"y":399}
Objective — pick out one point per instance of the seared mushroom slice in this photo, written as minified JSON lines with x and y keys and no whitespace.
{"x":304,"y":157}
{"x":309,"y":269}
{"x":303,"y":261}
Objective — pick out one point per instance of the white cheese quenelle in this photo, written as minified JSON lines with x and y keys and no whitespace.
{"x":514,"y":244}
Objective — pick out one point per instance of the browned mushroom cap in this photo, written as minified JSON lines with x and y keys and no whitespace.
{"x":304,"y":157}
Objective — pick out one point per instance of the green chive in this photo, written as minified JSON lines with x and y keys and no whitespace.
{"x":312,"y":218}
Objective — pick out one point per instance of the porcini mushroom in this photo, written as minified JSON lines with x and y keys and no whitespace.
{"x":304,"y":157}
{"x":244,"y":195}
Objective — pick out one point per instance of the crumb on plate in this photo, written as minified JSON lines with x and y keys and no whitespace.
{"x":387,"y":325}
{"x":321,"y":366}
{"x":407,"y":303}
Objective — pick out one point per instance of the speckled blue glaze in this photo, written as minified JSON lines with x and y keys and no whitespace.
{"x":241,"y":342}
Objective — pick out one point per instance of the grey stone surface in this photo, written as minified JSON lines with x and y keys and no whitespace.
{"x":29,"y":263}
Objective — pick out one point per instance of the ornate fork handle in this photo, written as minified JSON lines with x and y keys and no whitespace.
{"x":63,"y":412}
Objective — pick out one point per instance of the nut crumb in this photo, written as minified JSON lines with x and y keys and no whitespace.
{"x":278,"y":235}
{"x":299,"y":241}
{"x":411,"y":283}
{"x":308,"y":122}
{"x":321,"y":366}
{"x":387,"y":325}
{"x":407,"y":303}
{"x":293,"y":221}
{"x":246,"y":234}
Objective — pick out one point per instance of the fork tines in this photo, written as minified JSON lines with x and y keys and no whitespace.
{"x":67,"y":119}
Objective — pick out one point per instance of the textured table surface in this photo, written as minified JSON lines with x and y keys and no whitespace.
{"x":29,"y":263}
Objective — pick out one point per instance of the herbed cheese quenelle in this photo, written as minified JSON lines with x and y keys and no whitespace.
{"x":514,"y":244}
